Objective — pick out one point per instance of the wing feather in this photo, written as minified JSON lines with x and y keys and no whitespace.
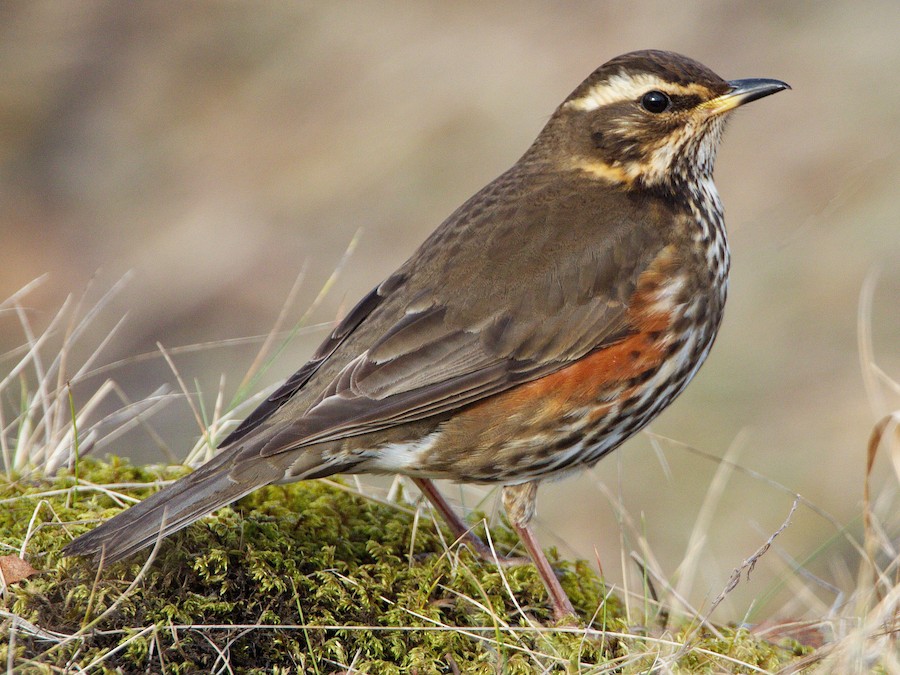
{"x":448,"y":332}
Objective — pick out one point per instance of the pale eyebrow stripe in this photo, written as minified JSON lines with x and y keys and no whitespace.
{"x":622,"y":87}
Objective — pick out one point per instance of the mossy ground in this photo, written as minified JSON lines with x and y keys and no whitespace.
{"x":307,"y":578}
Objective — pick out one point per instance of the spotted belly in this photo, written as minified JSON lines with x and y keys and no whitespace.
{"x":572,"y":417}
{"x":567,"y":420}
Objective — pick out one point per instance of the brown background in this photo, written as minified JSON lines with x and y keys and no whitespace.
{"x":216,"y":149}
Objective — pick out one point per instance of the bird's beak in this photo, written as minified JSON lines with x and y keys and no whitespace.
{"x":743,"y":91}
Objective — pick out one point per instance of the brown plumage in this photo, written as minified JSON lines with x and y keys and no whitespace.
{"x":548,"y":319}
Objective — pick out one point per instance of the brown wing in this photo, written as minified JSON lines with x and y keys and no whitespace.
{"x":295,"y":382}
{"x":487,"y":303}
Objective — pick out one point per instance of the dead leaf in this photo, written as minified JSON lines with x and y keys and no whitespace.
{"x":887,"y":427}
{"x":13,"y":569}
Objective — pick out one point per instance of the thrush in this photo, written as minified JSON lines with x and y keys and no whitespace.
{"x":548,"y":319}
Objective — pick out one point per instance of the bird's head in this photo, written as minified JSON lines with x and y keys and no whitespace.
{"x":647,"y":118}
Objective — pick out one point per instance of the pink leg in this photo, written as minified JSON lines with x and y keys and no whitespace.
{"x":458,"y":527}
{"x":519,"y":501}
{"x":562,"y":606}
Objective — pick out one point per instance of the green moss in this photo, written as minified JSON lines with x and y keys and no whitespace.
{"x":325,"y":578}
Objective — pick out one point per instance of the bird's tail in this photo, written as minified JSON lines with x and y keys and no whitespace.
{"x":171,"y":509}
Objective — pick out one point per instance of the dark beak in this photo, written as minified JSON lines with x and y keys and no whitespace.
{"x":744,"y":91}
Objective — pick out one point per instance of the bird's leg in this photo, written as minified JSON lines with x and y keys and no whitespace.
{"x":519,"y":503}
{"x":461,"y":531}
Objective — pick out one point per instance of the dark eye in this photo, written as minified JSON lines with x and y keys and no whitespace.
{"x":655,"y":102}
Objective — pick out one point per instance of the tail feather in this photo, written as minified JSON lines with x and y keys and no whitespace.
{"x":169,"y":510}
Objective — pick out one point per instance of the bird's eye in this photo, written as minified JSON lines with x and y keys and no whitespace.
{"x":655,"y":102}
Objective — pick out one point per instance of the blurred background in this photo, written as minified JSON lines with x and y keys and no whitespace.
{"x":215,"y":150}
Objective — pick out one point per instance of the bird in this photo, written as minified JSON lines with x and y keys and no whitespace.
{"x":548,"y":319}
